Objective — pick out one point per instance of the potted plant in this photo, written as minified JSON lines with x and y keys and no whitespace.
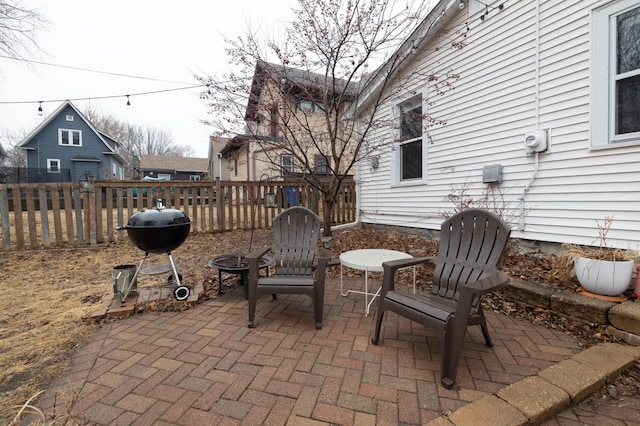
{"x":601,"y":270}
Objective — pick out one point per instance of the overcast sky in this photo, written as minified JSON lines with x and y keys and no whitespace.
{"x":165,"y":43}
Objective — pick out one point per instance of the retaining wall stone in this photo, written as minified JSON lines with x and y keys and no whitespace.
{"x":623,"y":319}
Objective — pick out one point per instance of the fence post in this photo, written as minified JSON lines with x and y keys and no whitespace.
{"x":88,"y":189}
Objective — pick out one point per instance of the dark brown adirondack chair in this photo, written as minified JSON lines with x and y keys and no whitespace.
{"x":296,"y":232}
{"x":471,"y":244}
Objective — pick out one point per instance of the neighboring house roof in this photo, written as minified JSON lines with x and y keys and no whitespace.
{"x":103,"y":137}
{"x":178,"y":164}
{"x":292,"y":77}
{"x":233,"y":145}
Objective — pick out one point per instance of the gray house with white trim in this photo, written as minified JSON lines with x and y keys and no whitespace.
{"x":67,"y":147}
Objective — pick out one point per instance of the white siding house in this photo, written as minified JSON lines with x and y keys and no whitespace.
{"x":570,"y":68}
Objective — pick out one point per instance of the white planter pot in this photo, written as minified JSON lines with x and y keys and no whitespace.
{"x":602,"y":276}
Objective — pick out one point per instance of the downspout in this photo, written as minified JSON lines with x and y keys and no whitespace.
{"x":521,"y":222}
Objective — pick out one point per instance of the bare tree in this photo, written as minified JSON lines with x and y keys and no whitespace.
{"x":15,"y":157}
{"x":305,"y":85}
{"x":137,"y":140}
{"x":18,"y":26}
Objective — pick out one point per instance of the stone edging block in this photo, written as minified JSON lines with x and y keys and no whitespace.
{"x":577,"y":379}
{"x":536,"y":398}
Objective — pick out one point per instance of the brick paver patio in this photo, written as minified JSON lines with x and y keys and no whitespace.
{"x":204,"y":366}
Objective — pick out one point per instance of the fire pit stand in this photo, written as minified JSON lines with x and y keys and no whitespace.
{"x":238,"y":264}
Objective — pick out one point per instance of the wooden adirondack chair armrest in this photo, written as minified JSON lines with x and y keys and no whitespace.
{"x":324,"y":255}
{"x":255,"y":256}
{"x":487,"y":284}
{"x":391,"y":267}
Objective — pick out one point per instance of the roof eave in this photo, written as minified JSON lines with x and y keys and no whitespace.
{"x":438,"y":17}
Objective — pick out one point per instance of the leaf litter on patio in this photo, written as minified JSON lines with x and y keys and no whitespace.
{"x":49,"y":296}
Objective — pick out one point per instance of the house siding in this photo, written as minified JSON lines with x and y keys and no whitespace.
{"x":500,"y":95}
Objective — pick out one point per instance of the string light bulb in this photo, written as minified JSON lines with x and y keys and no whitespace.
{"x":40,"y":109}
{"x":461,"y":5}
{"x":128,"y":103}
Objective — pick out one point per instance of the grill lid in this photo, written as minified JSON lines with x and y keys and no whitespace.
{"x":158,"y":218}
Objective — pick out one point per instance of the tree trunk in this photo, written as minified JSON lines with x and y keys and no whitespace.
{"x":327,"y":208}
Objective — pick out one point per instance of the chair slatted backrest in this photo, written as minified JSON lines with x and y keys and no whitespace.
{"x":296,"y":232}
{"x":471,"y":244}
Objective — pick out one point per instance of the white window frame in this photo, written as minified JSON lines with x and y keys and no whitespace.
{"x":69,"y":117}
{"x":194,"y":178}
{"x":396,"y":153}
{"x":603,"y":78}
{"x":167,"y":176}
{"x":71,"y":133}
{"x":50,"y":161}
{"x":286,"y":168}
{"x":117,"y":171}
{"x":321,"y":164}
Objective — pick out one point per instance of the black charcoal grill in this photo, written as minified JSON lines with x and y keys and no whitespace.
{"x":158,"y":231}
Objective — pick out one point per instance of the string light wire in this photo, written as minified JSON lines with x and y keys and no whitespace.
{"x":32,"y":61}
{"x":89,"y":98}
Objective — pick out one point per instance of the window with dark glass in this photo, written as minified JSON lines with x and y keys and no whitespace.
{"x":286,"y":163}
{"x":321,"y":164}
{"x":411,"y":139}
{"x":627,"y":74}
{"x":273,"y":121}
{"x":53,"y":165}
{"x":69,"y":137}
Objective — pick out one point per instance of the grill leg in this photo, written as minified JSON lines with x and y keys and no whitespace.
{"x":175,"y":272}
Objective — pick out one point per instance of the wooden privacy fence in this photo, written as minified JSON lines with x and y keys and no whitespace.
{"x":70,"y":213}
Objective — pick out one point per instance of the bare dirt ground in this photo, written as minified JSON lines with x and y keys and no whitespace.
{"x":49,"y":296}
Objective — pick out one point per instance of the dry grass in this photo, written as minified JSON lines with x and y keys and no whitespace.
{"x":49,"y":296}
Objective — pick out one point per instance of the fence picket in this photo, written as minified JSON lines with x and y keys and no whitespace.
{"x":4,"y":217}
{"x":17,"y":216}
{"x":77,"y":202}
{"x":44,"y":215}
{"x":68,"y":213}
{"x":31,"y":215}
{"x":55,"y":208}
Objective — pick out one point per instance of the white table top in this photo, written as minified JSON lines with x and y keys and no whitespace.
{"x":370,"y":259}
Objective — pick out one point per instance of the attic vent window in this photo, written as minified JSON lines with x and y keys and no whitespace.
{"x":310,"y":106}
{"x":69,"y":117}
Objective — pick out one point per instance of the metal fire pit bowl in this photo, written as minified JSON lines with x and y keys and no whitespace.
{"x":239,"y":265}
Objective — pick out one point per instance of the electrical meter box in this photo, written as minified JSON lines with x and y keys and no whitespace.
{"x":535,"y":141}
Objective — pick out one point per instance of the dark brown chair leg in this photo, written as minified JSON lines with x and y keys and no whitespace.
{"x":451,"y":348}
{"x":376,"y":334}
{"x":318,"y":304}
{"x":485,"y":330}
{"x":252,"y":307}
